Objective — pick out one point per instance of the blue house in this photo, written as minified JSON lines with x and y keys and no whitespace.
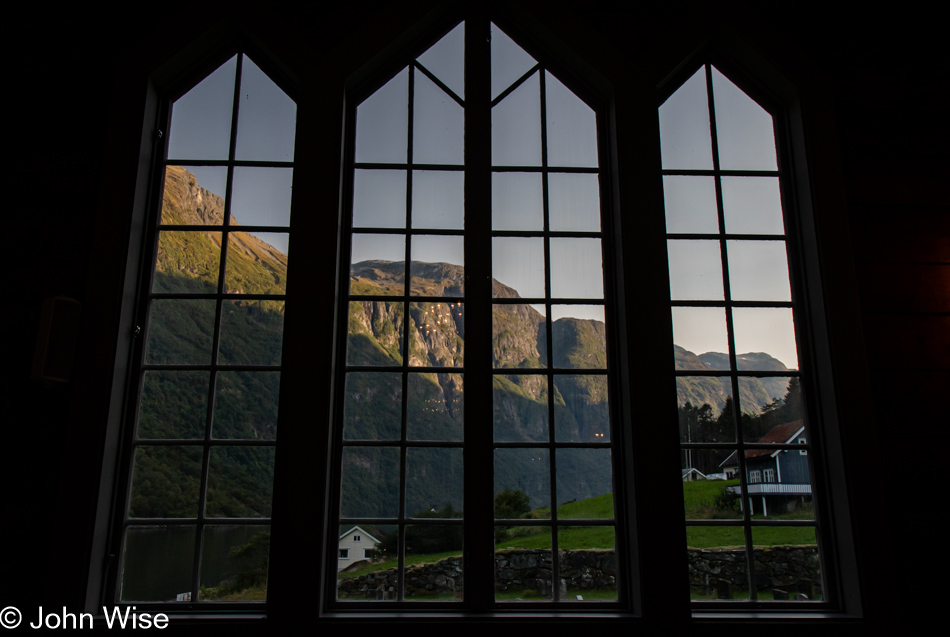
{"x":775,"y":477}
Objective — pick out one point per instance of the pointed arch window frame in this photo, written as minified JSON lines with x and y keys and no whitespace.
{"x":146,"y":263}
{"x":635,"y":171}
{"x":822,"y":378}
{"x":478,"y":174}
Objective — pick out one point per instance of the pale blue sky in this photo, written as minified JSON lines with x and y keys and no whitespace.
{"x":758,"y":270}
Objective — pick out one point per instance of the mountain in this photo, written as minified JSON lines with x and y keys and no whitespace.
{"x":755,"y":393}
{"x":180,"y":331}
{"x":166,"y":480}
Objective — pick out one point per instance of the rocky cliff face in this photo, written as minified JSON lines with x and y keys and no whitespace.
{"x":193,"y":257}
{"x":754,"y":392}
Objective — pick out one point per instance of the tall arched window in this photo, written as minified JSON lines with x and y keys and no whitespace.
{"x":740,"y":386}
{"x":195,"y":524}
{"x":473,"y":414}
{"x":476,"y":405}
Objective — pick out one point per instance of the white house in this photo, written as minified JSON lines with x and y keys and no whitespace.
{"x":355,"y":545}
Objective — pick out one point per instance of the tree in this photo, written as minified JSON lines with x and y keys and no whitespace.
{"x":251,"y":561}
{"x":511,"y":504}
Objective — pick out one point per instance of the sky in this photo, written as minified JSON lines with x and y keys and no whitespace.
{"x":757,"y":269}
{"x":201,"y":130}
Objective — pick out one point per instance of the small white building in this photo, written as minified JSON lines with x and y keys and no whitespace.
{"x":354,"y":546}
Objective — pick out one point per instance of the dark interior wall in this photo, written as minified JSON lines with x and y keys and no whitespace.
{"x":78,"y":89}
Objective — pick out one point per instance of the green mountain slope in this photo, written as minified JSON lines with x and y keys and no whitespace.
{"x":174,"y":404}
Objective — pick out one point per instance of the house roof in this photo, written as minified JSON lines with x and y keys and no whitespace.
{"x":779,"y":434}
{"x":689,"y":470}
{"x":363,"y":531}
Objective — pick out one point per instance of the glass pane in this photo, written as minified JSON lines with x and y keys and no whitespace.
{"x":508,"y":61}
{"x":523,"y":564}
{"x":519,"y":337}
{"x":695,"y":270}
{"x":188,"y":262}
{"x":370,"y":482}
{"x":434,"y":407}
{"x":438,"y":336}
{"x":706,"y":409}
{"x":769,"y":332}
{"x":516,"y":201}
{"x":684,"y":126}
{"x":240,"y":482}
{"x":251,"y":332}
{"x":158,"y":564}
{"x":201,"y":118}
{"x":758,"y":271}
{"x":703,"y":330}
{"x":516,"y":126}
{"x":436,"y":266}
{"x":373,"y":406}
{"x":718,"y":568}
{"x":518,"y":266}
{"x":574,"y":201}
{"x":179,"y":332}
{"x":438,"y":125}
{"x":234,"y":563}
{"x":257,"y":263}
{"x":379,"y":199}
{"x":579,"y":336}
{"x":194,"y":195}
{"x":752,"y":205}
{"x":267,"y":119}
{"x":710,"y":484}
{"x":788,"y":567}
{"x":581,"y":409}
{"x":778,"y":482}
{"x":245,"y":405}
{"x":587,"y":563}
{"x":382,"y":123}
{"x":367,"y":565}
{"x":446,"y":60}
{"x":690,"y":204}
{"x":520,"y":408}
{"x":433,"y":563}
{"x":584,"y":483}
{"x":520,"y":473}
{"x":375,"y":334}
{"x":261,"y":196}
{"x":743,"y":129}
{"x":434,"y":481}
{"x":576,"y":268}
{"x":165,"y":482}
{"x":768,"y":403}
{"x":438,"y":199}
{"x":174,"y":404}
{"x":572,"y":127}
{"x":378,"y":264}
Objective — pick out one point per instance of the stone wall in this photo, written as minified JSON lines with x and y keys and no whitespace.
{"x":422,"y":580}
{"x":784,"y":570}
{"x":789,"y":572}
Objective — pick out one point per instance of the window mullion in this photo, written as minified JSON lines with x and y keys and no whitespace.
{"x":477,"y":455}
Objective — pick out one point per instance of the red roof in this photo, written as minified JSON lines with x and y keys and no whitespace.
{"x":779,"y":434}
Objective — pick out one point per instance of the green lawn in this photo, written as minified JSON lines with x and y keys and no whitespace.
{"x":699,"y":497}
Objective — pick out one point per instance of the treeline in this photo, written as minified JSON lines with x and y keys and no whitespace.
{"x":702,"y":424}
